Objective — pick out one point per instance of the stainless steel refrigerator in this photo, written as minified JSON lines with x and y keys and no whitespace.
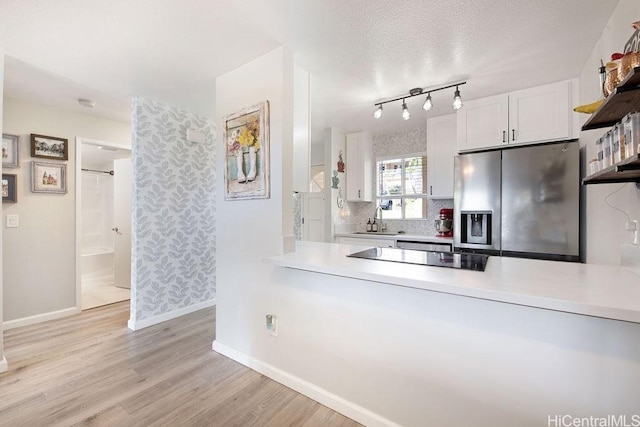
{"x":522,"y":202}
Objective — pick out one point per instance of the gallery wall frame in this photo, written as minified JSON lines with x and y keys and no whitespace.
{"x":10,"y":151}
{"x":9,"y":188}
{"x":49,"y":147}
{"x":48,"y":177}
{"x":246,"y":136}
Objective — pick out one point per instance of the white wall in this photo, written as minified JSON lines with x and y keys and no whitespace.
{"x":253,"y":229}
{"x":3,"y":361}
{"x":605,"y":226}
{"x":39,"y":256}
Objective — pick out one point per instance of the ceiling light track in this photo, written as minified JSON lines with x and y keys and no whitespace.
{"x":428,"y":103}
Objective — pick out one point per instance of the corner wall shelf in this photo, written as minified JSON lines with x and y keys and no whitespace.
{"x":627,"y":170}
{"x":624,"y":99}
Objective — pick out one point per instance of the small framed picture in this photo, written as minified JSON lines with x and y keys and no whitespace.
{"x":49,"y":147}
{"x":48,"y":177}
{"x":9,"y":190}
{"x":10,"y":151}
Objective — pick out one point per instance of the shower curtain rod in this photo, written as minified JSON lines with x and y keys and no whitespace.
{"x":93,"y":170}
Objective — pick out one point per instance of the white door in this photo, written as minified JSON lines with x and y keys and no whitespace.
{"x":122,"y":222}
{"x":313,"y":207}
{"x":313,"y":217}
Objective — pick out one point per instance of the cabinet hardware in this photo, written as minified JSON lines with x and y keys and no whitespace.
{"x":431,"y":190}
{"x":504,"y":136}
{"x":359,"y":194}
{"x":513,"y":134}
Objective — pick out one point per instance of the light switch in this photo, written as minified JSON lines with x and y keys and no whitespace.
{"x":12,"y":221}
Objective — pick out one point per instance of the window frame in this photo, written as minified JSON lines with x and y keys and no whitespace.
{"x":403,"y":195}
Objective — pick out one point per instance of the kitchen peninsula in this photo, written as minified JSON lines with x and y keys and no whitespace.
{"x":516,"y":343}
{"x":593,"y":290}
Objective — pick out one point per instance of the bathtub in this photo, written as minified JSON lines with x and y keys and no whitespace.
{"x":96,"y":263}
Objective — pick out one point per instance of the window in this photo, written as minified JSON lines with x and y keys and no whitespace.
{"x":402,"y":186}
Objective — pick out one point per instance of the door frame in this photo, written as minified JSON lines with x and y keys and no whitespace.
{"x":78,"y":202}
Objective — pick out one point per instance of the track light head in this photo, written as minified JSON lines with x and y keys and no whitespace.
{"x":457,"y":100}
{"x":378,"y":112}
{"x":406,"y":115}
{"x":428,"y":104}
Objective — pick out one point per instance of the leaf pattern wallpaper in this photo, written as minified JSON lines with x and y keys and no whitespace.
{"x":174,"y":229}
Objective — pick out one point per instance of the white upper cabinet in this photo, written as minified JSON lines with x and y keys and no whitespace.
{"x":483,"y":123}
{"x":441,"y":149}
{"x":538,"y":114}
{"x":358,"y":167}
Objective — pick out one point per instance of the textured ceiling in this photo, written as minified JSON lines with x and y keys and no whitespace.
{"x":358,"y":51}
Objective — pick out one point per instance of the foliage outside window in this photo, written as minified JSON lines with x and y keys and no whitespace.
{"x":401,"y":186}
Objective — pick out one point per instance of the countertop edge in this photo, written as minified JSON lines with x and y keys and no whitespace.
{"x":355,"y":269}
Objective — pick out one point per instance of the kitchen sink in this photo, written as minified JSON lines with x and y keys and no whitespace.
{"x":378,"y":233}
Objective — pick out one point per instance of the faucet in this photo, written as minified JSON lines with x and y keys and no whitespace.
{"x":377,"y":216}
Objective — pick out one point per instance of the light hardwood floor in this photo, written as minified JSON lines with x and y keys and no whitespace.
{"x":89,"y":369}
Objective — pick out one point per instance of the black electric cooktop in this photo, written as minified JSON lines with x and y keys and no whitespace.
{"x":463,"y":261}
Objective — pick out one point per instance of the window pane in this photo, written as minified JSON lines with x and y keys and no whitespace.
{"x":415,"y":175}
{"x":389,"y":177}
{"x":391,"y":208}
{"x":415,"y":208}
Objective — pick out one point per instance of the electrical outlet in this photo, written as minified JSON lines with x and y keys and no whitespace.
{"x":272,"y":324}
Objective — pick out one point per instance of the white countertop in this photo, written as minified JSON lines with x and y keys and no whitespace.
{"x":593,"y":290}
{"x":396,"y":236}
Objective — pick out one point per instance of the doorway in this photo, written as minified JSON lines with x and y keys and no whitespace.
{"x":103,"y":223}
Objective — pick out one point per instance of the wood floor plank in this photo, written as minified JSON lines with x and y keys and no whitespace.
{"x":91,"y":370}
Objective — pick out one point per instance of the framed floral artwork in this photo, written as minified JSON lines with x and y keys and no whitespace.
{"x":246,"y":134}
{"x":10,"y":150}
{"x":48,"y":177}
{"x":49,"y":147}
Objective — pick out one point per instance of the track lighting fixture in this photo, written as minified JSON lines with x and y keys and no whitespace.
{"x":378,"y":113}
{"x":457,"y":100}
{"x":428,"y":102}
{"x":406,"y":115}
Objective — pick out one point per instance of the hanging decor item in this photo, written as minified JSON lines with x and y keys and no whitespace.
{"x":340,"y":163}
{"x":335,"y":180}
{"x":428,"y":102}
{"x":247,"y":156}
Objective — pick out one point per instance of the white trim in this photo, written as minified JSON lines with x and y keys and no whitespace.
{"x":4,"y":366}
{"x":38,"y":318}
{"x":333,"y":401}
{"x":136,"y":325}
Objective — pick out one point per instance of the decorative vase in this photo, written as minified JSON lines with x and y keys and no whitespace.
{"x":239,"y":163}
{"x":252,"y":164}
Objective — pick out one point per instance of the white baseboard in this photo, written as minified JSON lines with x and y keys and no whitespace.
{"x":31,"y":320}
{"x":136,"y":325}
{"x":4,"y":366}
{"x":333,"y":401}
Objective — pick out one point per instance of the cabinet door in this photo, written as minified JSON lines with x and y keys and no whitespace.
{"x":540,"y":114}
{"x":441,"y":149}
{"x":483,"y":123}
{"x":358,"y":168}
